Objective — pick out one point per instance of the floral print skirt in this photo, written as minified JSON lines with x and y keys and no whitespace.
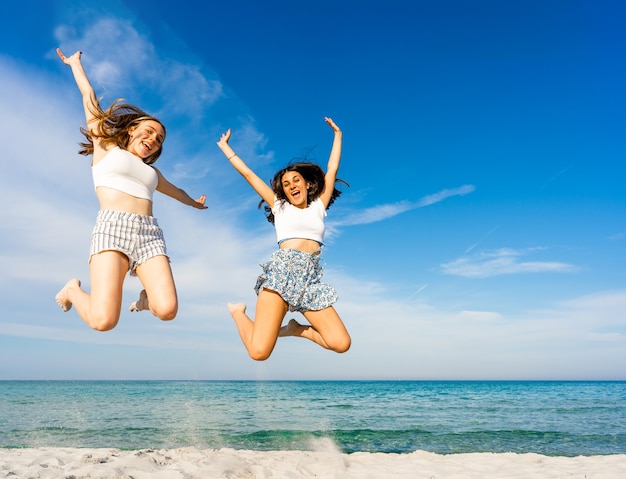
{"x":295,"y":276}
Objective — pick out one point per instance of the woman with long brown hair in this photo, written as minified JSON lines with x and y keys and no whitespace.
{"x":124,"y":142}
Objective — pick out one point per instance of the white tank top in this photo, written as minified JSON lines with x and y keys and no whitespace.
{"x":292,"y":222}
{"x":125,"y":172}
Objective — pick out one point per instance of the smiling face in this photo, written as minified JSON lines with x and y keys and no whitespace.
{"x":146,"y":138}
{"x":295,"y":188}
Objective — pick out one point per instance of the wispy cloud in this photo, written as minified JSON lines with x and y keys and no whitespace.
{"x":470,"y":248}
{"x":383,"y":212}
{"x":479,"y":316}
{"x":422,"y":288}
{"x":502,"y":261}
{"x":128,"y":64}
{"x":559,"y":173}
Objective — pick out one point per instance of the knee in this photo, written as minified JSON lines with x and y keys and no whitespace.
{"x":259,"y":354}
{"x":164,"y":309}
{"x":341,"y":345}
{"x":166,"y":313}
{"x":103,"y":321}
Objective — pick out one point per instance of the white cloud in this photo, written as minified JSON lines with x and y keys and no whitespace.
{"x":479,"y":316}
{"x":127,"y":65}
{"x":383,"y":212}
{"x":444,"y":194}
{"x":499,"y":262}
{"x":394,"y":339}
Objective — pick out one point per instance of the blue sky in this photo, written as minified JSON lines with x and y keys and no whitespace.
{"x":483,"y":235}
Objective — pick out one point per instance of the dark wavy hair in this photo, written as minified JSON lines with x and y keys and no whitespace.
{"x":312,"y":174}
{"x":113,"y":126}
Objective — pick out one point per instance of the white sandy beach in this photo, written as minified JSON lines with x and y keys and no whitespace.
{"x":192,"y":463}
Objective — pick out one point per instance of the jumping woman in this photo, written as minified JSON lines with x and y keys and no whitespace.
{"x":297,"y":199}
{"x":124,"y":142}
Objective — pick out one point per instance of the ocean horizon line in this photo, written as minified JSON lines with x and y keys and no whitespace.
{"x":321,"y":380}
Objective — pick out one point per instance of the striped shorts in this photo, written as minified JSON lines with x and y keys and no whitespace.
{"x":139,"y":237}
{"x":296,"y":277}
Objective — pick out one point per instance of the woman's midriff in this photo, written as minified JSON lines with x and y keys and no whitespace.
{"x":115,"y":200}
{"x":301,"y":244}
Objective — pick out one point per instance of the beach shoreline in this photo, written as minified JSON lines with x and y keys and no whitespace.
{"x":194,"y":463}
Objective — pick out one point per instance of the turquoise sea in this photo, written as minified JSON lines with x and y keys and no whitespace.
{"x":551,"y":418}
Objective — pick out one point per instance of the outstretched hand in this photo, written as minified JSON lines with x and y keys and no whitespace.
{"x":200,"y":203}
{"x":69,"y":60}
{"x":224,"y":139}
{"x":332,"y":124}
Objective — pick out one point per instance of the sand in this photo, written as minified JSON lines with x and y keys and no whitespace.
{"x":192,"y":463}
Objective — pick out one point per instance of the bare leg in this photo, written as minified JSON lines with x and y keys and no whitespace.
{"x":259,"y":336}
{"x":100,"y":309}
{"x":159,"y":295}
{"x":326,"y":329}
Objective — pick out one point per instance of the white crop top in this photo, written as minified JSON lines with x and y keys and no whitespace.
{"x":125,"y":172}
{"x":293,"y":222}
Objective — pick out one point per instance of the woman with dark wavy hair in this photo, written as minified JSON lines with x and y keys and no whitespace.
{"x":297,"y":199}
{"x":124,"y":142}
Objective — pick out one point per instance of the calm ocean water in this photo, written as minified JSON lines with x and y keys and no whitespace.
{"x":552,"y":418}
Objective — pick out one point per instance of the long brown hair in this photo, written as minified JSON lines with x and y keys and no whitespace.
{"x":113,"y":125}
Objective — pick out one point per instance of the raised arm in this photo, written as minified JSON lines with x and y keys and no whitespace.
{"x":262,"y":188}
{"x":333,"y":163}
{"x":173,"y":191}
{"x":90,"y":102}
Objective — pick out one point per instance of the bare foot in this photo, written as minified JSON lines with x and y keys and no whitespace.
{"x":289,"y":329}
{"x":61,"y":298}
{"x":142,"y":303}
{"x":234,"y":307}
